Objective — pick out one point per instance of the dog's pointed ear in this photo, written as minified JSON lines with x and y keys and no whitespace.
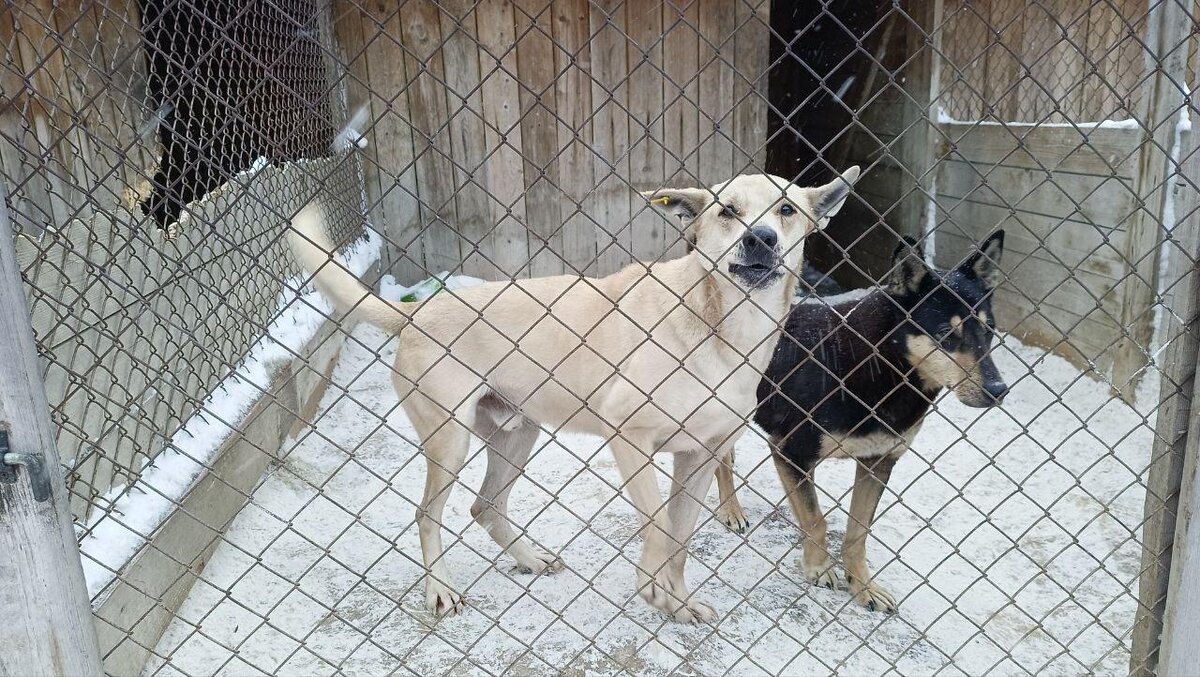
{"x":984,"y":264}
{"x":908,"y":268}
{"x":827,"y":200}
{"x":683,"y":203}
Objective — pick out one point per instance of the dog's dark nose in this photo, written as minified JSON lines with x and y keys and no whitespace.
{"x":997,"y":390}
{"x":760,"y":235}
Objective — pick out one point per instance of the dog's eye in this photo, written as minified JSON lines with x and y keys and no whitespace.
{"x":787,"y":210}
{"x":729,"y":212}
{"x":946,"y":334}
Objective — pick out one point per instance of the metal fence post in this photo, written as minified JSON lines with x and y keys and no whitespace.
{"x":48,"y":625}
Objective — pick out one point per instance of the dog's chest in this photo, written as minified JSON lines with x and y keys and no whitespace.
{"x":698,"y":402}
{"x":871,"y":445}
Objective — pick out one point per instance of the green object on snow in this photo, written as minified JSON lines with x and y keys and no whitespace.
{"x":423,"y":290}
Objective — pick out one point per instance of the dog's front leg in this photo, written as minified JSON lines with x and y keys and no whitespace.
{"x":871,"y":476}
{"x":691,"y":478}
{"x":801,"y":494}
{"x":655,"y":582}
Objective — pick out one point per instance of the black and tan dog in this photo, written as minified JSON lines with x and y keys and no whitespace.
{"x":854,"y":375}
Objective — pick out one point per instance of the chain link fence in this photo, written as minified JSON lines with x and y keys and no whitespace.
{"x":244,"y":474}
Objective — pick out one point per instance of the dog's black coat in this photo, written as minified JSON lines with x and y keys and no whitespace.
{"x":816,"y":283}
{"x":843,"y":366}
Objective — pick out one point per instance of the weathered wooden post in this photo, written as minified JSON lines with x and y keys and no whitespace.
{"x":47,"y":619}
{"x":1163,"y":639}
{"x":1179,"y":653}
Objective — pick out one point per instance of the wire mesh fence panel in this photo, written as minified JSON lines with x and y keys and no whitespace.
{"x":496,"y":468}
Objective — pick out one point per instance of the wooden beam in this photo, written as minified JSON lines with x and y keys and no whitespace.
{"x":1166,"y":53}
{"x":1170,"y":558}
{"x":43,"y":601}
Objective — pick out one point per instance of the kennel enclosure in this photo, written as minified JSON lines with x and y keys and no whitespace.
{"x":214,"y":422}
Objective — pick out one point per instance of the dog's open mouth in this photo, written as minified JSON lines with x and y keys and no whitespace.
{"x":756,"y":275}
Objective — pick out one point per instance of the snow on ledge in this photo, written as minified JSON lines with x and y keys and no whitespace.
{"x":944,"y":118}
{"x":116,"y":534}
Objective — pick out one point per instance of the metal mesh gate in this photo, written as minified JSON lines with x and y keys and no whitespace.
{"x":242,"y":473}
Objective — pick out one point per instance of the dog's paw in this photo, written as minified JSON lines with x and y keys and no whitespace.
{"x":442,"y":600}
{"x":667,"y":594}
{"x":695,"y":612}
{"x":824,"y":576}
{"x":537,"y":561}
{"x":872,"y":596}
{"x":731,"y":515}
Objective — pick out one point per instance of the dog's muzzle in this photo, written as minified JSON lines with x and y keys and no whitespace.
{"x":760,"y":265}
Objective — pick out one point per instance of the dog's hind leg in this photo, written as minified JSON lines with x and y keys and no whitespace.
{"x":802,"y":496}
{"x":507,"y":452}
{"x":871,"y":475}
{"x":729,"y":510}
{"x":445,"y":441}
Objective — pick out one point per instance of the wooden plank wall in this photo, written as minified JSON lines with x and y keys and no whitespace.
{"x":1083,"y":206}
{"x":509,"y":138}
{"x":135,"y":329}
{"x":1014,"y":61}
{"x":1065,"y":207}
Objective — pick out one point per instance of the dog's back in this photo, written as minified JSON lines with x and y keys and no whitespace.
{"x":839,"y":372}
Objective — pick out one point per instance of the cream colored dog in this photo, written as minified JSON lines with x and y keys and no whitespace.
{"x":660,"y":357}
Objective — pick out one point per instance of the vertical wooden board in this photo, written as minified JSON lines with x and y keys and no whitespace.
{"x":573,"y":100}
{"x":104,"y":62}
{"x":715,"y":154}
{"x":651,"y":236}
{"x":915,"y":148}
{"x":964,"y":59}
{"x":610,"y":133}
{"x":390,"y":157}
{"x":461,"y":55}
{"x":681,"y":92}
{"x":1103,"y":95}
{"x":125,"y":66}
{"x":54,"y":34}
{"x":1004,"y":66}
{"x":45,"y":115}
{"x":1039,"y":37}
{"x":348,"y":19}
{"x":502,"y":117}
{"x":534,"y":24}
{"x":724,"y":124}
{"x":421,"y":25}
{"x":48,"y":627}
{"x":1071,"y":59}
{"x":752,"y":49}
{"x":84,"y":152}
{"x":26,"y":197}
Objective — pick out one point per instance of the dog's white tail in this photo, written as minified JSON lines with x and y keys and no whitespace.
{"x":314,"y":251}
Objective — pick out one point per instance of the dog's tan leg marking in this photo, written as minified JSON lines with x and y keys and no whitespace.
{"x":692,"y":475}
{"x":507,"y":453}
{"x":656,"y":580}
{"x":445,"y":442}
{"x":871,"y":476}
{"x":802,"y":496}
{"x":730,"y":509}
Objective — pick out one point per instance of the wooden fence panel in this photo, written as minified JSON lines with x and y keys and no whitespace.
{"x":581,"y":104}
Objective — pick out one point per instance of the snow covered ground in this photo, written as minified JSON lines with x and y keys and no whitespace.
{"x":1009,"y":538}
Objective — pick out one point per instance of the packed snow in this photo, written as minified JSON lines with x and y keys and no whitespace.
{"x":126,"y":516}
{"x":1009,"y":537}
